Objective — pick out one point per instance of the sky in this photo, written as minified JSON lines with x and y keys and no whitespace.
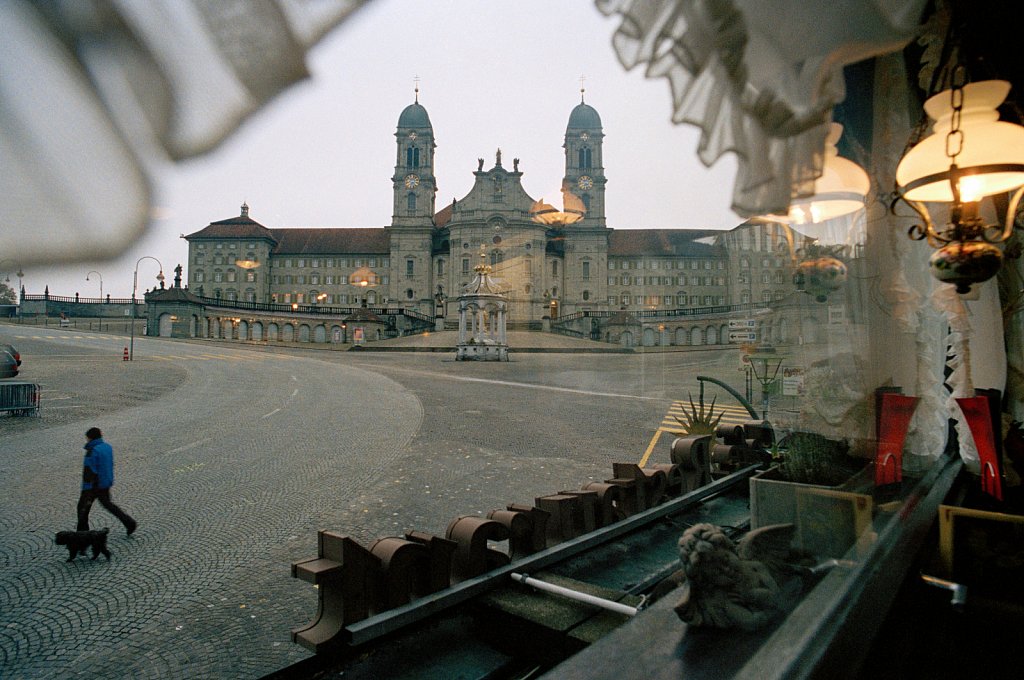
{"x":491,"y":75}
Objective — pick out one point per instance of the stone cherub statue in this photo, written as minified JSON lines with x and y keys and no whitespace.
{"x":737,"y":585}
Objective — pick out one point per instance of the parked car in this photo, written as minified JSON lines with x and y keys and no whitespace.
{"x":13,"y":352}
{"x":8,"y":364}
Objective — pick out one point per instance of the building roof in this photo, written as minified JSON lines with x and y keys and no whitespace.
{"x":377,"y":240}
{"x":242,"y":226}
{"x":414,"y":116}
{"x":584,"y":116}
{"x":331,"y":241}
{"x":444,"y":215}
{"x":661,"y":242}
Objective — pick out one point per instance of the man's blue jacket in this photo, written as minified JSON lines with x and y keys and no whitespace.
{"x":98,"y":465}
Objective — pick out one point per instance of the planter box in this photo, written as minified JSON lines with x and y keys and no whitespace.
{"x":830,"y":520}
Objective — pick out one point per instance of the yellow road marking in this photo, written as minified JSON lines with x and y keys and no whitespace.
{"x":650,"y":447}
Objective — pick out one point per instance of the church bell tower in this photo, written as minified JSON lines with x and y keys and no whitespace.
{"x":414,"y":182}
{"x":584,"y":163}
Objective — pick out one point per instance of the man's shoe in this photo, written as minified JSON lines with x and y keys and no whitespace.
{"x":132,"y":527}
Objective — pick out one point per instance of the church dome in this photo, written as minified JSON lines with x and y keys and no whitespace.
{"x":414,"y":116}
{"x":584,"y":116}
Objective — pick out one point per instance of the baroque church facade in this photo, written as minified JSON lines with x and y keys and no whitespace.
{"x":425,"y":256}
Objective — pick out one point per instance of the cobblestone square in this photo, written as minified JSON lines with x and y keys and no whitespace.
{"x":233,"y":457}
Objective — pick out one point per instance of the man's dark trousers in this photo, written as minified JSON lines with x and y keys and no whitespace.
{"x":85,"y":502}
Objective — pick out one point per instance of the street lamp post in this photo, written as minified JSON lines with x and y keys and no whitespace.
{"x":765,"y":364}
{"x":135,"y":287}
{"x":19,"y":274}
{"x":101,"y":280}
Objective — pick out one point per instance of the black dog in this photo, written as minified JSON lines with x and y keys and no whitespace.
{"x":78,"y":541}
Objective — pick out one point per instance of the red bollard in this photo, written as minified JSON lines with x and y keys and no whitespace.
{"x":125,"y":354}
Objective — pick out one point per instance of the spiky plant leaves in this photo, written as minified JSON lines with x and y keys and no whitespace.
{"x":700,"y":422}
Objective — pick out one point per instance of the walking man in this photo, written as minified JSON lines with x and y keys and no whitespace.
{"x":97,"y":478}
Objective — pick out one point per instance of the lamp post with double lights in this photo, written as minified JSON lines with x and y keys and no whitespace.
{"x":135,"y":287}
{"x":19,"y":274}
{"x":101,"y":280}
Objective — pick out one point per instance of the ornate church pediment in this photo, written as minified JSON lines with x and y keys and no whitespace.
{"x":497,"y":189}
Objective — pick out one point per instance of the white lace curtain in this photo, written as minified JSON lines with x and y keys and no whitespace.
{"x":759,"y":77}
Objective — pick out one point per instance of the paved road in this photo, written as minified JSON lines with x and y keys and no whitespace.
{"x":232,"y":458}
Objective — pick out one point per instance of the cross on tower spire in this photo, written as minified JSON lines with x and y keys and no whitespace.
{"x":416,"y":81}
{"x":582,"y":89}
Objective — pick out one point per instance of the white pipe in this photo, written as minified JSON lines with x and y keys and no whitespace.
{"x":575,"y":595}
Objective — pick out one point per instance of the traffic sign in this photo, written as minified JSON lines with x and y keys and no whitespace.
{"x":741,"y":324}
{"x":742,"y":336}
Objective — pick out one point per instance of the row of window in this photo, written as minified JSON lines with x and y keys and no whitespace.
{"x":200,"y":258}
{"x":220,"y":246}
{"x":666,"y":264}
{"x":324,"y":279}
{"x":766,"y":262}
{"x":766,"y":296}
{"x":496,"y":257}
{"x":230,"y":276}
{"x":779,"y":277}
{"x":766,"y":277}
{"x":680,"y":300}
{"x":625,"y":299}
{"x":683,"y":300}
{"x":315,"y":297}
{"x":350,"y":262}
{"x":627,"y":280}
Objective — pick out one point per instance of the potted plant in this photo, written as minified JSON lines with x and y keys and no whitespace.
{"x":816,"y":485}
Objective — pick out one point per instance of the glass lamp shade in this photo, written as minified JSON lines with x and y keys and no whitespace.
{"x":991,"y":157}
{"x":545,"y":213}
{"x":839,"y":191}
{"x":363,"y":276}
{"x":573,"y":211}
